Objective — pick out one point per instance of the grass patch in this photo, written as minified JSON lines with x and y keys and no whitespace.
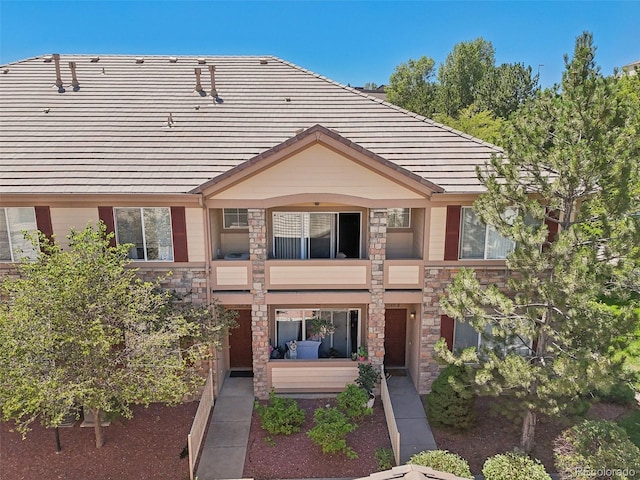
{"x":631,"y":425}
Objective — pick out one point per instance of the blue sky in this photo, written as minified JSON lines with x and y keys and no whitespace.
{"x":348,"y":41}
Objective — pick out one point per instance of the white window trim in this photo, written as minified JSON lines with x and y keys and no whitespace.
{"x":486,"y":239}
{"x":144,"y":237}
{"x":506,"y":347}
{"x":12,"y":253}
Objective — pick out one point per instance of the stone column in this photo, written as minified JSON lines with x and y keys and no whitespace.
{"x":377,"y":255}
{"x":259,"y":310}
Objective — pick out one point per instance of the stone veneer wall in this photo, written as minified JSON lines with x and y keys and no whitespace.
{"x":259,"y":310}
{"x":436,"y":280}
{"x":377,"y":256}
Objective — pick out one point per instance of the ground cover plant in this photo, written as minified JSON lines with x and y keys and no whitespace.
{"x":513,"y":466}
{"x":443,"y":461}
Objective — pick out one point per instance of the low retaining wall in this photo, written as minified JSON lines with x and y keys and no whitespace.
{"x":195,"y":438}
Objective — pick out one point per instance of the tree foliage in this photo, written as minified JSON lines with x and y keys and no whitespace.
{"x":571,"y":160}
{"x":412,"y":86}
{"x":79,"y":328}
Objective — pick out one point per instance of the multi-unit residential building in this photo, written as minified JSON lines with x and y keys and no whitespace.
{"x":280,"y":193}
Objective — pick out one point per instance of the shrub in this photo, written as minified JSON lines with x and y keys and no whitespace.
{"x":620,"y":393}
{"x":384,"y":457}
{"x":281,"y":415}
{"x":594,"y":450}
{"x":330,"y":431}
{"x":353,"y":402}
{"x":631,"y":424}
{"x":450,"y":404}
{"x":443,"y":461}
{"x":368,"y":376}
{"x":513,"y":466}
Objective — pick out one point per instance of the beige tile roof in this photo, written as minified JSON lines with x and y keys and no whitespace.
{"x":112,"y":134}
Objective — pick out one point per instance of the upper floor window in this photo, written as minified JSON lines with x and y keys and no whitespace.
{"x":14,"y":222}
{"x":316,"y":235}
{"x":480,"y":241}
{"x":235,"y":218}
{"x":398,"y":218}
{"x":466,"y":336}
{"x":148,"y":229}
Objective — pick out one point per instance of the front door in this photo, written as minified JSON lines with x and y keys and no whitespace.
{"x":240,"y":352}
{"x":395,"y":332}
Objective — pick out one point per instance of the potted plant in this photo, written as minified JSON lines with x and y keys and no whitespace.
{"x":354,"y":356}
{"x":320,"y":327}
{"x":367,"y":379}
{"x":362,"y":353}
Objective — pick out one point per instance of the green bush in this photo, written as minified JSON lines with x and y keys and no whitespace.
{"x":596,"y":450}
{"x":384,"y":457}
{"x":450,"y":404}
{"x":368,"y":376}
{"x":631,"y":424}
{"x":353,"y":402}
{"x":442,"y":461}
{"x":512,"y":466}
{"x":330,"y":431}
{"x":620,"y":393}
{"x":281,"y":415}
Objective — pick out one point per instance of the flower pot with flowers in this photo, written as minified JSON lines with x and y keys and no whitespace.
{"x":320,"y":327}
{"x":362,"y":353}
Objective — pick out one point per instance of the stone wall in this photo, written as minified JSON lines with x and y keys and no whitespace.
{"x":436,"y":280}
{"x":377,"y":256}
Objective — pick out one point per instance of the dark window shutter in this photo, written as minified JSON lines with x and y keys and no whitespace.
{"x":43,"y":221}
{"x":106,"y":215}
{"x":179,"y":227}
{"x":452,"y":233}
{"x":552,"y":226}
{"x":446,"y":330}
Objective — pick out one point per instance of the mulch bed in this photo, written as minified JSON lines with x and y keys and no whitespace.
{"x":148,"y":446}
{"x":296,"y":456}
{"x":495,"y":434}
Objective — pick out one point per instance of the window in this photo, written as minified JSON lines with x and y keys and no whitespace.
{"x":148,"y":229}
{"x":316,"y":235}
{"x":235,"y":218}
{"x":14,"y":222}
{"x":399,"y":218}
{"x":292,"y":324}
{"x":480,"y":241}
{"x":466,"y":336}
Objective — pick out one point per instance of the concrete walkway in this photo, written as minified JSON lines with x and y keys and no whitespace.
{"x":415,"y":433}
{"x":225,"y":447}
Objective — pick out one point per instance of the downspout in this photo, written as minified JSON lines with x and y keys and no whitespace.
{"x":207,"y":263}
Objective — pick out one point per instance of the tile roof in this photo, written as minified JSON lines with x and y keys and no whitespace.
{"x":142,"y":127}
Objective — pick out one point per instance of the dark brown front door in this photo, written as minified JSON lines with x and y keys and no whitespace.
{"x":395,"y":332}
{"x":240,"y":354}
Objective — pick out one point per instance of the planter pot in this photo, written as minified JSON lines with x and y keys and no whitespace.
{"x":371,"y":401}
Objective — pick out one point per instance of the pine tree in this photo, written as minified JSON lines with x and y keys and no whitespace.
{"x":570,"y":161}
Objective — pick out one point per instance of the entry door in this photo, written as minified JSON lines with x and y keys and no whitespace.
{"x":240,"y":352}
{"x":395,"y":332}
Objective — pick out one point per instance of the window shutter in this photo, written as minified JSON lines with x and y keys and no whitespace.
{"x":106,"y":215}
{"x":552,"y":227}
{"x":43,"y":221}
{"x":446,"y":330}
{"x":179,"y":230}
{"x":452,"y":233}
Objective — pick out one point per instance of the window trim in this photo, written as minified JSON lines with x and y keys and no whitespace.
{"x":231,"y":227}
{"x":144,"y":237}
{"x":486,"y":237}
{"x":12,"y":253}
{"x":409,"y":216}
{"x":506,"y":347}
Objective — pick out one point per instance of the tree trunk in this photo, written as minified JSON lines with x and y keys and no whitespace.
{"x":528,"y":431}
{"x":97,"y":428}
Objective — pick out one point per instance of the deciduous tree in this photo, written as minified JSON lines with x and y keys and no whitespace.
{"x":79,"y":328}
{"x":412,"y":86}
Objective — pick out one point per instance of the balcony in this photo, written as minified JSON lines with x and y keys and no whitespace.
{"x":345,"y":274}
{"x":231,"y":274}
{"x":403,"y":274}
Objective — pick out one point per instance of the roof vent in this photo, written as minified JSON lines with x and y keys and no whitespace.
{"x":202,"y":60}
{"x":139,"y":60}
{"x":95,"y":59}
{"x":74,"y":78}
{"x":212,"y":73}
{"x":173,"y":59}
{"x":198,"y":84}
{"x":48,"y":58}
{"x":5,"y":70}
{"x":56,"y":61}
{"x":263,"y":61}
{"x":170,"y":121}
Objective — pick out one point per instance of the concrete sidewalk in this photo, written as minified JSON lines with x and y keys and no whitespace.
{"x":225,"y":447}
{"x":415,"y":433}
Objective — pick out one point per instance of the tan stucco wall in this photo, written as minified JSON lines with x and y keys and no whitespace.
{"x":317,"y":169}
{"x":195,"y":234}
{"x":437,"y":233}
